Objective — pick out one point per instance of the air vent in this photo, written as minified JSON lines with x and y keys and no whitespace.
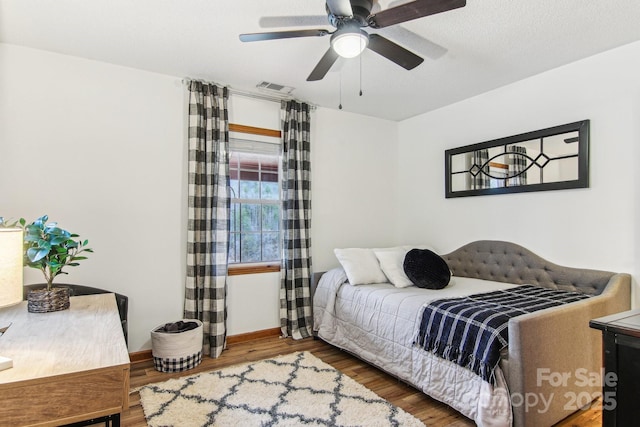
{"x":274,"y":87}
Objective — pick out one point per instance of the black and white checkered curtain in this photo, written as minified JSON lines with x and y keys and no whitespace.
{"x":295,"y":284}
{"x":481,"y":166}
{"x":517,"y":166}
{"x":208,"y":216}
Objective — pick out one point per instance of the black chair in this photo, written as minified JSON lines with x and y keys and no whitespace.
{"x":75,"y":290}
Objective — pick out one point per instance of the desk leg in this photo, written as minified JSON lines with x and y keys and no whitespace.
{"x":109,"y":421}
{"x":608,"y":389}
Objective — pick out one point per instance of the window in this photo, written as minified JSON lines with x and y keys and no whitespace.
{"x":255,"y":203}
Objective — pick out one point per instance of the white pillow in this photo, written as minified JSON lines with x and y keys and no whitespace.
{"x":392,"y":264}
{"x":360,"y":265}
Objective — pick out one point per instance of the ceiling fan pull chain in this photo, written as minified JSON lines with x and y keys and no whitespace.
{"x":340,"y":92}
{"x":360,"y":65}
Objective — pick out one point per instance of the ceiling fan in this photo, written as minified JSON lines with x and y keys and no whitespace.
{"x":349,"y":39}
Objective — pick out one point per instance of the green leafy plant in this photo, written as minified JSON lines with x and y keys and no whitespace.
{"x":48,"y":247}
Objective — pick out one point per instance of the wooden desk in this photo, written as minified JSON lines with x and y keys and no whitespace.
{"x":68,"y":366}
{"x":621,"y":385}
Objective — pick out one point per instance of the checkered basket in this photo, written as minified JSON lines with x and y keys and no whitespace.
{"x":176,"y":352}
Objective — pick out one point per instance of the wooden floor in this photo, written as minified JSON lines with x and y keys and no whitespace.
{"x":431,"y":412}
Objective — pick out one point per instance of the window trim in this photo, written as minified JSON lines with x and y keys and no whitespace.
{"x":264,"y":267}
{"x":247,"y":268}
{"x":234,"y":127}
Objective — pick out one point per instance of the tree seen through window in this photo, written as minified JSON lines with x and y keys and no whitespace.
{"x":255,"y":208}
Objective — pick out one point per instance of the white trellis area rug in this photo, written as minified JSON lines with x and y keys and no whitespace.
{"x":292,"y":390}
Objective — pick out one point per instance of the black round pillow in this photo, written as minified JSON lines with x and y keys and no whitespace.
{"x":426,"y":269}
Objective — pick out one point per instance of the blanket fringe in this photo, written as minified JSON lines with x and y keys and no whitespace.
{"x":452,"y":353}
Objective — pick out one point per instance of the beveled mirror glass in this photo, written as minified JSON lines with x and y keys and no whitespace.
{"x":549,"y":159}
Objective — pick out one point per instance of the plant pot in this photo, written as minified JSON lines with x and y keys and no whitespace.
{"x":44,"y":301}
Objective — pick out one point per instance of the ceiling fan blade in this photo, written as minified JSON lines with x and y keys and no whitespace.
{"x":292,"y":21}
{"x":412,"y":10}
{"x":256,"y":37}
{"x":416,"y":42}
{"x":393,"y":52}
{"x":321,"y":69}
{"x":338,"y":65}
{"x":340,"y":7}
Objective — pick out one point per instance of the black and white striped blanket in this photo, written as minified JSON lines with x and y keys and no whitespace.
{"x":470,"y":331}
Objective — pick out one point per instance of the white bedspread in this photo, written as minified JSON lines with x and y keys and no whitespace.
{"x":378,"y":323}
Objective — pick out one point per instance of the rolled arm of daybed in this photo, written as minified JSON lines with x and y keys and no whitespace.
{"x":555,"y":359}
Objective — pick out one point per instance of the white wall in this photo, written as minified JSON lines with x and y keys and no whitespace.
{"x":354,"y":168}
{"x":594,"y":227}
{"x":101,"y":149}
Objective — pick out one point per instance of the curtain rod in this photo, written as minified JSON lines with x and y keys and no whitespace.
{"x":185,"y":81}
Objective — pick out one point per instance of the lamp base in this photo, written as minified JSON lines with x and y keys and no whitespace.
{"x":5,"y":363}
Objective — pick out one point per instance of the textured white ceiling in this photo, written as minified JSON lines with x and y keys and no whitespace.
{"x":489,"y":43}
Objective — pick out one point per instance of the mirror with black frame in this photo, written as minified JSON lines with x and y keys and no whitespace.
{"x":548,"y":159}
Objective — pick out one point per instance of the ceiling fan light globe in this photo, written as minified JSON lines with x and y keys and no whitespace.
{"x":349,"y":44}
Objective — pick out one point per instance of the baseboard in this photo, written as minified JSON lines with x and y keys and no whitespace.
{"x":144,"y":355}
{"x":250,"y":336}
{"x":140,"y":356}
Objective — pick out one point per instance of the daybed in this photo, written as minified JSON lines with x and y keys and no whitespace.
{"x":553,"y":361}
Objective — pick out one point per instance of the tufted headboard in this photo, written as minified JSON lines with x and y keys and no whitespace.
{"x":507,"y":262}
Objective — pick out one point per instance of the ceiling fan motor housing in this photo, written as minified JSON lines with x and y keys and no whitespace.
{"x":361,"y":10}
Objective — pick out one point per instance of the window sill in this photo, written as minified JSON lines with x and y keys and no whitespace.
{"x":240,"y":269}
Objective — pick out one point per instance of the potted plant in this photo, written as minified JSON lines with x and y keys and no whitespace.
{"x":50,"y":249}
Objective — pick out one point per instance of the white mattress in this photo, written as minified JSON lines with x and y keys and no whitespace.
{"x":378,"y":323}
